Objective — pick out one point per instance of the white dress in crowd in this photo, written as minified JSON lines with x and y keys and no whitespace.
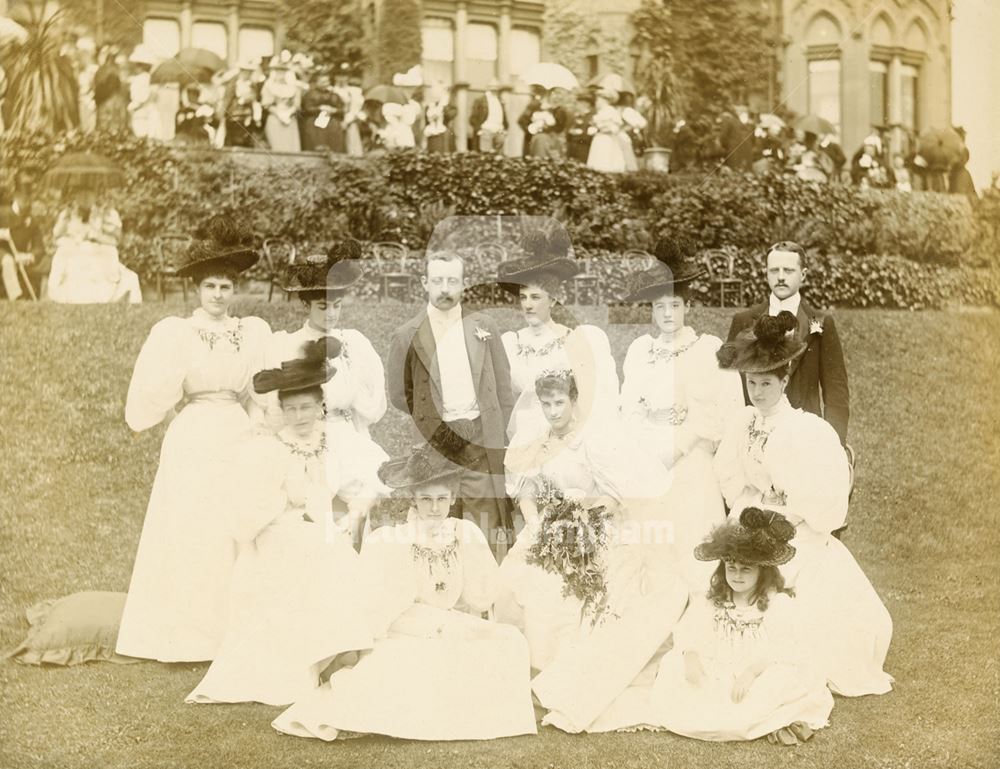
{"x":585,"y":665}
{"x":281,"y":96}
{"x":674,"y":395}
{"x":354,"y":400}
{"x":438,"y":671}
{"x":85,"y":266}
{"x":296,"y":595}
{"x":176,"y":605}
{"x":606,"y":150}
{"x":144,"y":106}
{"x":584,"y":350}
{"x":727,"y":640}
{"x":792,"y":461}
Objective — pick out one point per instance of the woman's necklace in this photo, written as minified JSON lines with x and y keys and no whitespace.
{"x":304,"y":451}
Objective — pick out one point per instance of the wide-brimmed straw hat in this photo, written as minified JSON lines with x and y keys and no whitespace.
{"x":335,"y":272}
{"x":425,"y":463}
{"x":221,"y":242}
{"x":769,"y":345}
{"x":310,"y":370}
{"x":546,"y":257}
{"x":758,"y":538}
{"x":675,"y":266}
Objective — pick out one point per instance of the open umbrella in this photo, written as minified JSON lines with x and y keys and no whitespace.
{"x":940,"y":147}
{"x":83,"y":169}
{"x":550,"y":75}
{"x":614,"y":82}
{"x":386,"y":94}
{"x":814,"y":124}
{"x":190,"y":65}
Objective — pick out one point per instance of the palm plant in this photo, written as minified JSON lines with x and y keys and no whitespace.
{"x":654,"y":72}
{"x":41,"y":93}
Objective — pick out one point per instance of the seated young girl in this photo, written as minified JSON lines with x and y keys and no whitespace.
{"x":438,"y":670}
{"x":295,"y":599}
{"x":737,"y":670}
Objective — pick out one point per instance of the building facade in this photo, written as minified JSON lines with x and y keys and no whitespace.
{"x":233,"y":29}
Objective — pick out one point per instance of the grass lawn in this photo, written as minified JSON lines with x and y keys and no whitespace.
{"x":923,"y":524}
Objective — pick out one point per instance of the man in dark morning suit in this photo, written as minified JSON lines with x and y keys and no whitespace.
{"x":818,"y":382}
{"x":449,"y":365}
{"x":488,"y":120}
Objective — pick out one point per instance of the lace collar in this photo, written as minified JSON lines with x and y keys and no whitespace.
{"x":661,"y":349}
{"x":311,"y":447}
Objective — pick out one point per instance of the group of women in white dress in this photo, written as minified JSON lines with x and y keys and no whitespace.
{"x":257,"y":553}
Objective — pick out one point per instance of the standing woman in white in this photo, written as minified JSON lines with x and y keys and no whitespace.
{"x":784,"y":459}
{"x":676,"y":401}
{"x":355,"y":399}
{"x":194,"y":373}
{"x":543,"y":344}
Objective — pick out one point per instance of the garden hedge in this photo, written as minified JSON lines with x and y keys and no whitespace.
{"x":867,"y":248}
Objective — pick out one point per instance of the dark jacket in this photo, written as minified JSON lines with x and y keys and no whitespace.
{"x":414,"y":381}
{"x":818,"y":383}
{"x":481,"y":110}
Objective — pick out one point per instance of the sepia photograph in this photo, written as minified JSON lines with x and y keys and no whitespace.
{"x":529,"y":384}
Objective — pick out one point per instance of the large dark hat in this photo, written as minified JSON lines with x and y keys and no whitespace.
{"x":759,"y":538}
{"x":425,"y":463}
{"x":546,"y":258}
{"x":769,"y":345}
{"x":220,"y":242}
{"x":674,"y":266}
{"x":310,"y":370}
{"x":337,"y":271}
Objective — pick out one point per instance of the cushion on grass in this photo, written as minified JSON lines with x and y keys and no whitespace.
{"x":68,"y":631}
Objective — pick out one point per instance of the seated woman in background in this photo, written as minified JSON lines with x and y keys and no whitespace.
{"x":438,"y":671}
{"x":85,"y":266}
{"x":295,"y":598}
{"x":738,"y":668}
{"x":784,"y":459}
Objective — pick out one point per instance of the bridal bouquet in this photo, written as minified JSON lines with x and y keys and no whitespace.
{"x":570,"y":543}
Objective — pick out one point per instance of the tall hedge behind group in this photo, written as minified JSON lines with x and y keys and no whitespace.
{"x":867,"y":248}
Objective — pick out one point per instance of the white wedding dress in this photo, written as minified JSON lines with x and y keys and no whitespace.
{"x":438,"y":671}
{"x":296,"y":599}
{"x":792,"y":461}
{"x":675,"y":396}
{"x":177,"y":598}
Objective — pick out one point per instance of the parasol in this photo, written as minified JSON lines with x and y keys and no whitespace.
{"x":83,"y":169}
{"x":386,"y":94}
{"x":190,"y":65}
{"x":550,"y":75}
{"x":814,"y":124}
{"x":940,"y":147}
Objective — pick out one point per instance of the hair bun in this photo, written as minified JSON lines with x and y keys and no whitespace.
{"x":225,"y":232}
{"x":767,"y":524}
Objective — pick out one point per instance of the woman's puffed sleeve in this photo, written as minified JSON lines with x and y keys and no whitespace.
{"x":718,"y":398}
{"x":257,"y":346}
{"x":157,"y":384}
{"x":728,"y":462}
{"x":783,"y":625}
{"x":595,"y":371}
{"x":634,"y":384}
{"x":369,"y":399}
{"x":258,"y":481}
{"x":808,"y":465}
{"x":387,"y":577}
{"x":479,"y":569}
{"x":522,"y":462}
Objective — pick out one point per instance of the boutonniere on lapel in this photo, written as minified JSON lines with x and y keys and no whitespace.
{"x":816,"y":326}
{"x":482,"y":334}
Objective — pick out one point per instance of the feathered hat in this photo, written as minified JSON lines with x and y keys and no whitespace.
{"x":759,"y":538}
{"x":334,"y":272}
{"x":769,"y":345}
{"x":675,"y":265}
{"x":311,"y":369}
{"x":425,"y":463}
{"x":546,"y":258}
{"x":220,"y":241}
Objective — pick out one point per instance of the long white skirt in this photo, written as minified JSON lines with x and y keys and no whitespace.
{"x":90,"y":273}
{"x":295,"y":603}
{"x":606,"y":154}
{"x":177,"y":600}
{"x":474,"y":687}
